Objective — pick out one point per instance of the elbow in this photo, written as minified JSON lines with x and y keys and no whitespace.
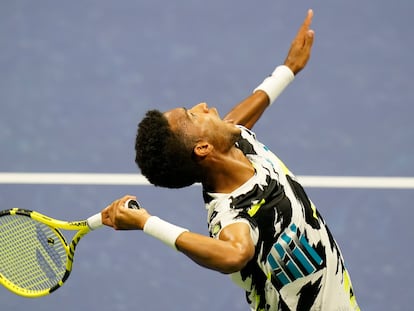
{"x":237,"y":261}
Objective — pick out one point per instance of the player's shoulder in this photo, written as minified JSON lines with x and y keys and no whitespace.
{"x":245,"y":132}
{"x":248,"y":142}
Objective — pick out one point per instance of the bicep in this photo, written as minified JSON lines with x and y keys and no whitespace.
{"x":233,"y":249}
{"x":239,"y":235}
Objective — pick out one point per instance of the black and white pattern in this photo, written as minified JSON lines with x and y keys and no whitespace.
{"x":297,"y":263}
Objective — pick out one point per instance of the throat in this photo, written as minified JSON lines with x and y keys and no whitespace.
{"x":228,"y":177}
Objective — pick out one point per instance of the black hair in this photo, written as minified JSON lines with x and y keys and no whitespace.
{"x":164,"y":156}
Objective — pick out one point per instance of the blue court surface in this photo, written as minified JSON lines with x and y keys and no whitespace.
{"x":77,"y":76}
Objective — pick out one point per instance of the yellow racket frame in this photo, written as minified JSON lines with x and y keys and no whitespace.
{"x":81,"y":226}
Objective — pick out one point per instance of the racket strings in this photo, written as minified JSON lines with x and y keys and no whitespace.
{"x":31,"y":254}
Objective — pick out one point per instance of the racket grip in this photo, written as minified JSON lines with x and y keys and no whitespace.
{"x":132,"y":204}
{"x":95,"y":221}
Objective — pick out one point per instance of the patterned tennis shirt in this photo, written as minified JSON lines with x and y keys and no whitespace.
{"x":297,"y":263}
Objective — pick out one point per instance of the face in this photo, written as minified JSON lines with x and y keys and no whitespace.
{"x":204,"y":124}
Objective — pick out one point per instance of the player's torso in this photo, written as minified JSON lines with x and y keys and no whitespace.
{"x":294,"y":250}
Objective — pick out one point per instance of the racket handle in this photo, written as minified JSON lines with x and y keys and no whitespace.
{"x":95,"y":221}
{"x":132,"y":204}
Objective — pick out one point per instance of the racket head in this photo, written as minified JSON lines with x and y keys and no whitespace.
{"x":35,"y":258}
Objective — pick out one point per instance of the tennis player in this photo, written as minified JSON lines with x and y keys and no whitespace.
{"x":264,"y":230}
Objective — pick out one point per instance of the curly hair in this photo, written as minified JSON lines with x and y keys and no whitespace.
{"x":164,"y":157}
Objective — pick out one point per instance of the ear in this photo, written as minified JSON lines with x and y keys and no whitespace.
{"x":202,"y":149}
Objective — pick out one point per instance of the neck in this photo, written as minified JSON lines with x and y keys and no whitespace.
{"x":225,"y":173}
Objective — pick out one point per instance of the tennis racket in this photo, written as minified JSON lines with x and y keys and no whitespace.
{"x":35,"y":259}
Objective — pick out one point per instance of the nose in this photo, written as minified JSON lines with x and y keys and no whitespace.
{"x":201,"y":107}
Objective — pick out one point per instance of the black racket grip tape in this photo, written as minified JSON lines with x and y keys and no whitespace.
{"x":132,"y":204}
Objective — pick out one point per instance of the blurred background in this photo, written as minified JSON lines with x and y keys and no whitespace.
{"x":77,"y":76}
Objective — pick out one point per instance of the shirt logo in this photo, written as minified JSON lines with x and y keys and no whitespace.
{"x":216,"y":229}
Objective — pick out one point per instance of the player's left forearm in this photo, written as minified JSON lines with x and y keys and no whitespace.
{"x":248,"y":111}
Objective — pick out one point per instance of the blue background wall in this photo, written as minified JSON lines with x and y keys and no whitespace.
{"x":77,"y":76}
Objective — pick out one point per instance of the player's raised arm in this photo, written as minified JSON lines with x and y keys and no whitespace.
{"x":248,"y":112}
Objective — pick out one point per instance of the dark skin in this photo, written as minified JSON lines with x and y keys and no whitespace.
{"x":224,"y":168}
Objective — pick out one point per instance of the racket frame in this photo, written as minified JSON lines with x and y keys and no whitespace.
{"x":82,"y":227}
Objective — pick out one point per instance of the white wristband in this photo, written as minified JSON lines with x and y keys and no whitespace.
{"x":274,"y":85}
{"x":163,"y":231}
